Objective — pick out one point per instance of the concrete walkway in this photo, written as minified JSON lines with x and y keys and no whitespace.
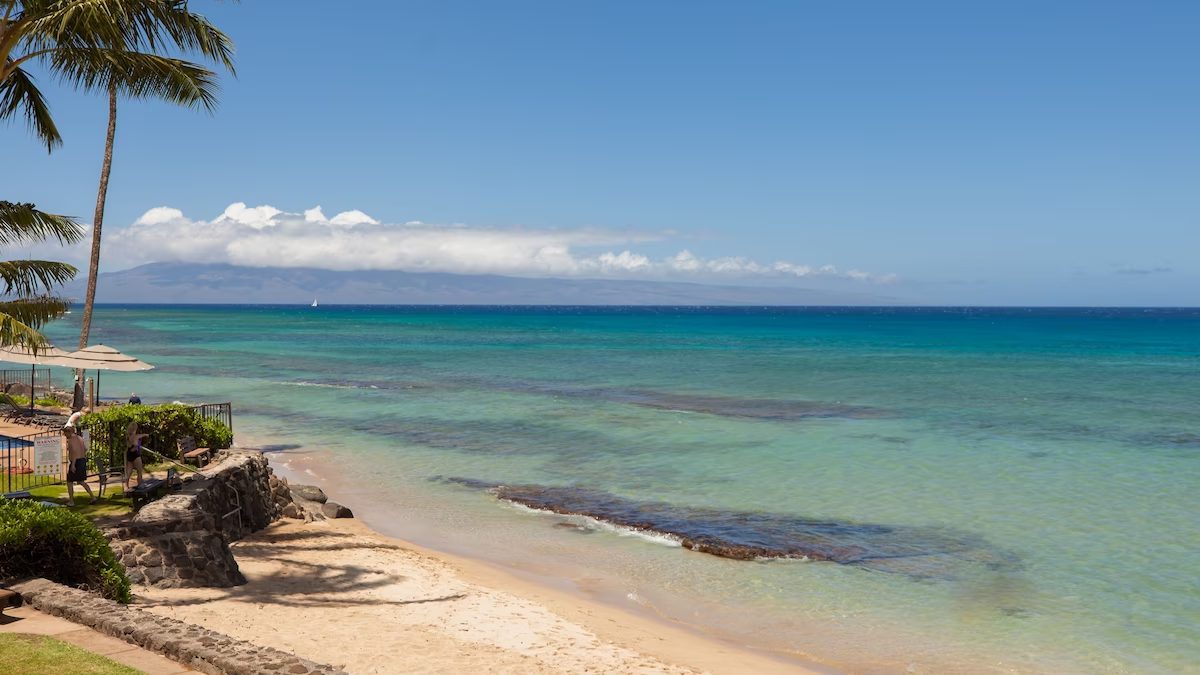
{"x":29,"y":620}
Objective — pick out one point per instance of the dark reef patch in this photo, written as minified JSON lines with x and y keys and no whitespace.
{"x":918,"y":552}
{"x":753,"y":408}
{"x":724,"y":406}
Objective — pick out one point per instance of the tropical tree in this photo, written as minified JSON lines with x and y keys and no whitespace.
{"x":110,"y":46}
{"x":28,"y":302}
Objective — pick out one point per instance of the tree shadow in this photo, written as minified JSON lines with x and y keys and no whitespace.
{"x":300,"y":583}
{"x":269,"y":538}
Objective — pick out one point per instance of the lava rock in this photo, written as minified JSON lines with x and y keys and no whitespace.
{"x":310,"y":492}
{"x":336,"y":510}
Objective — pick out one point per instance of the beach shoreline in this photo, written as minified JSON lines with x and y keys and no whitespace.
{"x":665,"y":640}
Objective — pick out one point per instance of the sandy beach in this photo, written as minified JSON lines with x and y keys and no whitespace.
{"x":337,"y":592}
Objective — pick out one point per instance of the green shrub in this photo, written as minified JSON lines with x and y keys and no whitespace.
{"x":164,"y":423}
{"x":55,"y":543}
{"x":23,"y":401}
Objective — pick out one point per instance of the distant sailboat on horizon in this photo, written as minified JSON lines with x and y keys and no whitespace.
{"x":314,"y":302}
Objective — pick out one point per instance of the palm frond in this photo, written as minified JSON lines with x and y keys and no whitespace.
{"x":33,"y":313}
{"x":20,"y":320}
{"x":23,"y":222}
{"x":29,"y":277}
{"x":138,"y":75}
{"x":18,"y":92}
{"x":126,"y":24}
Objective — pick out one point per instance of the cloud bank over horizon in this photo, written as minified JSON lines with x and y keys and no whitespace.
{"x":264,"y":236}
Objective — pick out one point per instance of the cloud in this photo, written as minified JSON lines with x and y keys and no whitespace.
{"x":264,"y":236}
{"x":1143,"y":271}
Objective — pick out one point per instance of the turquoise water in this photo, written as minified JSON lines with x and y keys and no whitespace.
{"x":1063,"y":443}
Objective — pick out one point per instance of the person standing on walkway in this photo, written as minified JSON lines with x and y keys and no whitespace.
{"x":76,"y":464}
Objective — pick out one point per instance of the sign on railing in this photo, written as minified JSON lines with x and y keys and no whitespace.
{"x":48,"y":457}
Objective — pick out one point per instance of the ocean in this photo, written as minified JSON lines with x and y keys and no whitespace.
{"x":876,"y":489}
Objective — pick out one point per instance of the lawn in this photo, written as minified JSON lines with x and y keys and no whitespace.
{"x":112,"y":504}
{"x":22,"y":654}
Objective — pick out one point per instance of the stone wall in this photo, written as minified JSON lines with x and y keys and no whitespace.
{"x":199,"y":648}
{"x":183,"y":539}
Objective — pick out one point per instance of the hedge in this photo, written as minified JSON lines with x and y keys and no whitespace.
{"x":165,"y":424}
{"x":60,"y":545}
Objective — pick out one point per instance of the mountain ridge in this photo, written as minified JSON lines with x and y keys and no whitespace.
{"x":222,"y":283}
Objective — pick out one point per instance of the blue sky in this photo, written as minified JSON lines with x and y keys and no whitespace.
{"x":1008,"y":153}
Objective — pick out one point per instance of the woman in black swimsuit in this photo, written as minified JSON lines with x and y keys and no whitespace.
{"x":133,"y":453}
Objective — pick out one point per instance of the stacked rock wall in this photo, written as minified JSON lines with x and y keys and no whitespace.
{"x":183,"y":539}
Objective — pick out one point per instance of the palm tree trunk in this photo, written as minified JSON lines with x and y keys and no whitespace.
{"x":98,"y":219}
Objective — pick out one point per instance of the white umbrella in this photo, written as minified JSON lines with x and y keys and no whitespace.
{"x":101,"y":357}
{"x":45,"y":356}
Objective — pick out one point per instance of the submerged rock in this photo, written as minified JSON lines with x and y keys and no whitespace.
{"x":920,"y":552}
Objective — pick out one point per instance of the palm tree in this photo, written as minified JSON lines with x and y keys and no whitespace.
{"x":27,"y":301}
{"x":107,"y":45}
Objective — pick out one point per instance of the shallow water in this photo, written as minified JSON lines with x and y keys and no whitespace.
{"x":1061,"y":442}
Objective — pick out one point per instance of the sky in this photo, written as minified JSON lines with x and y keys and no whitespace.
{"x":1020,"y":153}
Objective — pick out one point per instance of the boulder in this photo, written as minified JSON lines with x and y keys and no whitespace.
{"x":310,"y":492}
{"x":336,"y":510}
{"x":292,"y":511}
{"x":311,"y":510}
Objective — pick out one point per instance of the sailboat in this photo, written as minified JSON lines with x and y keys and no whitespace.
{"x":314,"y":302}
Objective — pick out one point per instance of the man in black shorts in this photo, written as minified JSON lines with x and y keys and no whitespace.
{"x":76,"y":465}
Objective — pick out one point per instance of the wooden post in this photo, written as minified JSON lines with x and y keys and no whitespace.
{"x":91,"y":386}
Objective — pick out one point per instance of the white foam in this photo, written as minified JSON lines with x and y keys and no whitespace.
{"x":660,"y":538}
{"x":325,"y":385}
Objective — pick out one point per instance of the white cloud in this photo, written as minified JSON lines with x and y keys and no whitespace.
{"x":264,"y":236}
{"x":354,"y":217}
{"x":257,"y":217}
{"x":159,"y":215}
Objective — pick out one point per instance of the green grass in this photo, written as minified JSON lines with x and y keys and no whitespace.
{"x":20,"y":401}
{"x":22,"y":654}
{"x":111,"y":504}
{"x":20,"y":481}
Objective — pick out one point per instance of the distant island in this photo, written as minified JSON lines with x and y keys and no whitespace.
{"x":155,"y":283}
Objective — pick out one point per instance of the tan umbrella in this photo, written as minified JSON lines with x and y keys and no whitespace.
{"x":101,"y":357}
{"x":45,"y":356}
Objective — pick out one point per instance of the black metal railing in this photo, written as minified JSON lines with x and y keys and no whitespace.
{"x":40,"y":378}
{"x":106,"y":451}
{"x":222,"y":412}
{"x":20,"y":462}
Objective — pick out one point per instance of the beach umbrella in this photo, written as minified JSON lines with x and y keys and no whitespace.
{"x":45,"y":356}
{"x":101,"y":357}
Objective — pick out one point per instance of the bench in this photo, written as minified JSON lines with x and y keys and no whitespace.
{"x":9,"y":599}
{"x":188,"y":451}
{"x":145,"y":491}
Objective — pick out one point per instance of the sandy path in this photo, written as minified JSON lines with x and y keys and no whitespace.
{"x":339,"y":593}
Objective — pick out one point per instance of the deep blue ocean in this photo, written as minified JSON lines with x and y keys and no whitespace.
{"x":977,"y":490}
